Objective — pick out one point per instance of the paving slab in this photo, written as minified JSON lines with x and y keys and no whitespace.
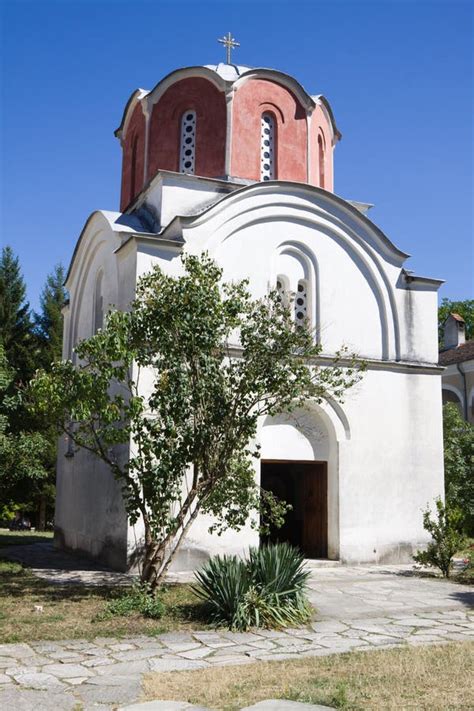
{"x":21,"y":699}
{"x":284,"y":705}
{"x":163,"y":706}
{"x":358,"y":608}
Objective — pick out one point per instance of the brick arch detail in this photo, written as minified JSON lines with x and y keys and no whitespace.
{"x":252,"y":99}
{"x":135,"y":135}
{"x":267,"y":107}
{"x":320,"y":127}
{"x":201,"y":96}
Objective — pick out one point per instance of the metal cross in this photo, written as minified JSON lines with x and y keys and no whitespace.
{"x":229,"y":43}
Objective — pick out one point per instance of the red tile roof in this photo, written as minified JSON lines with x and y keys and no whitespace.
{"x":457,"y":355}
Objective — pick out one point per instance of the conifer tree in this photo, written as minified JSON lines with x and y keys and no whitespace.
{"x":49,"y":323}
{"x":16,"y":328}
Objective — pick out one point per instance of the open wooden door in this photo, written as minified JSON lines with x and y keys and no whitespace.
{"x":303,"y":485}
{"x":315,"y":517}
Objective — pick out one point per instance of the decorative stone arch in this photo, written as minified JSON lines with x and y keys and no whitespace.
{"x":133,"y":141}
{"x":86,"y":269}
{"x":310,"y":272}
{"x":177,"y":75}
{"x":470,"y":404}
{"x":321,"y":159}
{"x":310,"y":434}
{"x":136,"y":97}
{"x":280,"y":78}
{"x":450,"y":393}
{"x":92,"y":257}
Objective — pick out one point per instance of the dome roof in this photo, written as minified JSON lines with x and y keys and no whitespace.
{"x":228,"y":72}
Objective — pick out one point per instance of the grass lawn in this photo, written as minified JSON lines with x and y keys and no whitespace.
{"x":71,"y":611}
{"x":23,"y":538}
{"x":437,"y":678}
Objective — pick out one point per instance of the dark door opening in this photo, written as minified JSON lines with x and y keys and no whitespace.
{"x":304,"y":486}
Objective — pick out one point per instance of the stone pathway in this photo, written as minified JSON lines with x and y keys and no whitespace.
{"x":267,"y":705}
{"x":61,"y":568}
{"x":359,"y":608}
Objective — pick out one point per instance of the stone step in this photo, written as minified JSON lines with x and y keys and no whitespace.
{"x":314,"y":563}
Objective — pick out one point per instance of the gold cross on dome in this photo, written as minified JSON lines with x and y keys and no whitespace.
{"x":229,"y":43}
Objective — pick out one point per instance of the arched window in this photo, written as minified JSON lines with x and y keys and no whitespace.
{"x":282,"y":290}
{"x":133,"y":168}
{"x":321,"y":161}
{"x":301,"y":303}
{"x":267,"y":147}
{"x":187,"y":153}
{"x":98,"y":303}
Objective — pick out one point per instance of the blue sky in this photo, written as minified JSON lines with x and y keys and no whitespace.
{"x":398,"y":74}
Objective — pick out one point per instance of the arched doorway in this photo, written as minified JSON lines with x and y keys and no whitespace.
{"x":299,"y":465}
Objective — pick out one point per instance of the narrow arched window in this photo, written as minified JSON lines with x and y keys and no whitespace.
{"x":133,"y":168}
{"x":187,"y":153}
{"x":282,"y":290}
{"x":301,"y":303}
{"x":321,"y":161}
{"x":98,"y":303}
{"x":267,"y":148}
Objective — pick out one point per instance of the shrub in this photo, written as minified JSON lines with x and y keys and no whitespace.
{"x":447,"y":537}
{"x":137,"y":600}
{"x":458,"y":440}
{"x":266,"y":590}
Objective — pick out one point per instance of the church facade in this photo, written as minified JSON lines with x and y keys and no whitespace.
{"x":238,"y":162}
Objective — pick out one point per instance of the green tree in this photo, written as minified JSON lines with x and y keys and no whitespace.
{"x":16,"y":328}
{"x":22,"y":451}
{"x":219,"y":360}
{"x":446,"y":537}
{"x":49,"y":332}
{"x":463,"y":308}
{"x":27,"y":477}
{"x":49,"y":322}
{"x":458,"y":440}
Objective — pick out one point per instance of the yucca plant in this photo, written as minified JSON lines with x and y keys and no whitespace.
{"x":222,"y":584}
{"x":278,"y":571}
{"x":267,"y":590}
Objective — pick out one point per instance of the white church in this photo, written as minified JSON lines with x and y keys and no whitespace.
{"x":239,"y":162}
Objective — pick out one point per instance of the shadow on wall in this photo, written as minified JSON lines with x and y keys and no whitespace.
{"x":109,"y":553}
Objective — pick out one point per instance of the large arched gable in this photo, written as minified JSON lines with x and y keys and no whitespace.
{"x":376,"y":262}
{"x":93,"y":256}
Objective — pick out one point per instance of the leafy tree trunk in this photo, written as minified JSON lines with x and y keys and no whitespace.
{"x":42,"y":513}
{"x":159,"y":556}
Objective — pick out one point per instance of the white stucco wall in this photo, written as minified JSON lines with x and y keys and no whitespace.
{"x":90,"y":515}
{"x":391,"y":467}
{"x":383,"y":445}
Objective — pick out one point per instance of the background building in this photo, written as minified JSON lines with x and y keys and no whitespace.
{"x":458,"y":358}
